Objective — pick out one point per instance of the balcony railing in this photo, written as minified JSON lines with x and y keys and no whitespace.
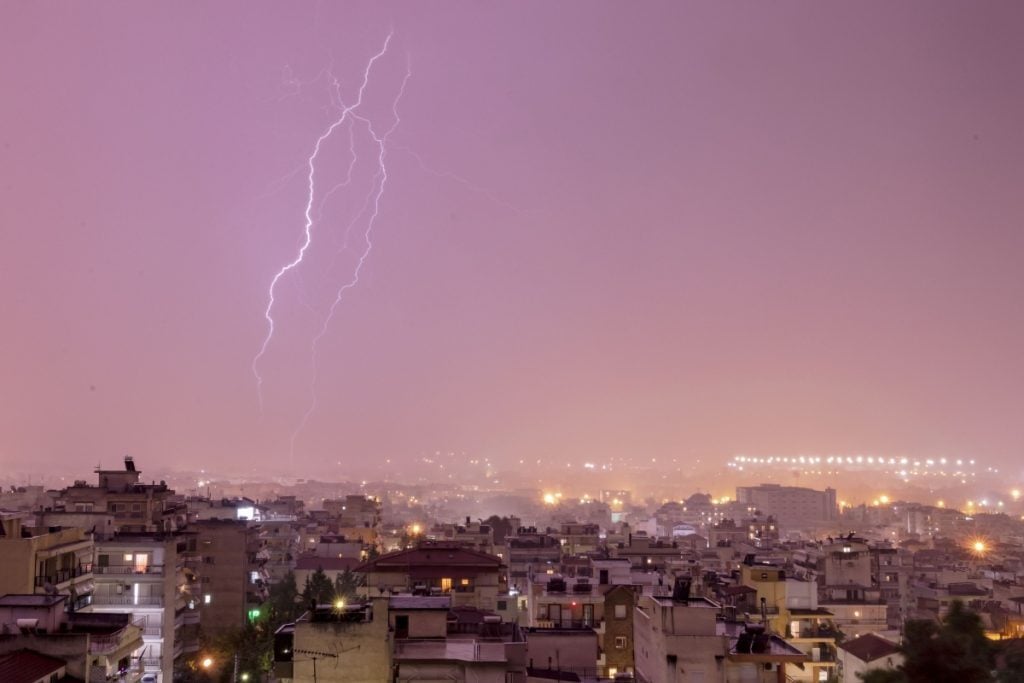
{"x":155,"y":569}
{"x":106,"y":644}
{"x":62,"y":575}
{"x":152,"y":662}
{"x":141,"y":601}
{"x":816,"y":632}
{"x":566,"y":623}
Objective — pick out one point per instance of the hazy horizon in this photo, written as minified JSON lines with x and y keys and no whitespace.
{"x":607,"y":232}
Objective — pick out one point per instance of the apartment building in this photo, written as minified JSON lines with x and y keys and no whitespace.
{"x":233,"y":580}
{"x":681,"y":639}
{"x":400,"y":638}
{"x":45,"y":560}
{"x":794,"y":507}
{"x":145,"y":575}
{"x":470,"y":577}
{"x":93,"y":647}
{"x":136,"y":506}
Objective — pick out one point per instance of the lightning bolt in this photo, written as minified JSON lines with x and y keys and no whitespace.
{"x":377,"y":191}
{"x":346,"y":112}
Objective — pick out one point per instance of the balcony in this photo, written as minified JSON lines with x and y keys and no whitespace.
{"x":462,"y":650}
{"x":566,"y":623}
{"x":152,"y":570}
{"x":110,"y":643}
{"x":815,"y":632}
{"x":63,"y":575}
{"x":128,"y":600}
{"x":151,"y":662}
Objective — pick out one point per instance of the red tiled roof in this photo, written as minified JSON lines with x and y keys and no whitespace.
{"x":26,"y":666}
{"x":431,"y":555}
{"x":870,"y":647}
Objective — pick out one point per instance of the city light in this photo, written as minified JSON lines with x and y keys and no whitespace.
{"x":416,"y":529}
{"x":207,"y":662}
{"x":339,"y":604}
{"x":1015,"y":494}
{"x":979,"y":546}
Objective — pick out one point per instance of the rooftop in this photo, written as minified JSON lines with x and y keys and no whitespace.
{"x":420,"y":602}
{"x":22,"y":600}
{"x":27,"y":666}
{"x":870,"y":647}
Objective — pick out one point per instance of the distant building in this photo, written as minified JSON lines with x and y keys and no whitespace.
{"x":794,"y":507}
{"x":136,"y":506}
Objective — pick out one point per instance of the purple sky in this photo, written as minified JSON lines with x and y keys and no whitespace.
{"x":681,"y":229}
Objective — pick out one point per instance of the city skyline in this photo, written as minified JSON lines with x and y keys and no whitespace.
{"x":672,"y":231}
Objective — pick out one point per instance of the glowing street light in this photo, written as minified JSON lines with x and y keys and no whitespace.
{"x":979,"y":547}
{"x":207,"y":662}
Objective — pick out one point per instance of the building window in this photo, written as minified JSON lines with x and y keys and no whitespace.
{"x":464,"y":582}
{"x":502,"y":605}
{"x":207,"y":599}
{"x":620,"y":611}
{"x":620,"y":642}
{"x":446,"y":585}
{"x":128,"y":557}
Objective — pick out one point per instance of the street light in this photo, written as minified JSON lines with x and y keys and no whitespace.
{"x":207,"y":662}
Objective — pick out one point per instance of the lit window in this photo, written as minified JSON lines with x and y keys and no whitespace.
{"x":620,"y":642}
{"x":446,"y":584}
{"x":207,"y":599}
{"x":128,"y":557}
{"x":464,"y":582}
{"x":620,"y":611}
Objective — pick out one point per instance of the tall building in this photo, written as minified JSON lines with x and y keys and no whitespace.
{"x":234,"y":583}
{"x":145,"y":574}
{"x":794,"y":507}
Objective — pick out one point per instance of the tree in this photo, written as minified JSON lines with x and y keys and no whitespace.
{"x":954,"y":650}
{"x":501,"y":526}
{"x":283,"y":601}
{"x":1010,"y":657}
{"x":346,"y":584}
{"x":318,"y":589}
